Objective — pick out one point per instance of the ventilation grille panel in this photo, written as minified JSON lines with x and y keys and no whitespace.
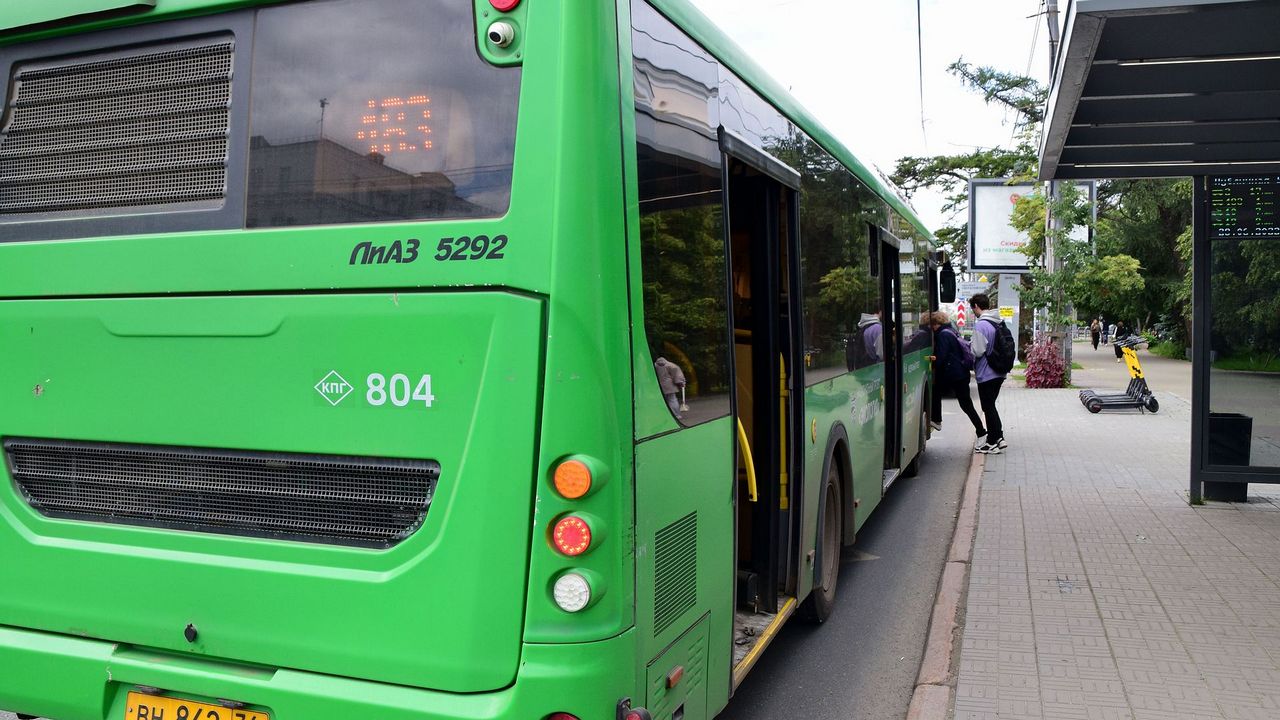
{"x":330,"y":499}
{"x":126,"y":129}
{"x":675,"y":559}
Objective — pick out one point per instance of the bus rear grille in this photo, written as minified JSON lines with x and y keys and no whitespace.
{"x":675,"y":571}
{"x":124,"y":129}
{"x":330,"y":499}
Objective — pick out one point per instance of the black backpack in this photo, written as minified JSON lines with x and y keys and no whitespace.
{"x":1001,"y":355}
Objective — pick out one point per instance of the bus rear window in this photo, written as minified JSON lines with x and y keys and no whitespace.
{"x":376,"y":110}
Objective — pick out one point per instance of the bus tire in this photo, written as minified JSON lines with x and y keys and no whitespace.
{"x":826,"y":571}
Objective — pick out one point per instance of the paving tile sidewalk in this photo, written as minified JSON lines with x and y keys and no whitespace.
{"x":1097,"y":592}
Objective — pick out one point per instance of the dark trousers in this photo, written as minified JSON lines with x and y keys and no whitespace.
{"x":1119,"y":351}
{"x":963,"y":396}
{"x":1096,"y":337}
{"x":987,"y":393}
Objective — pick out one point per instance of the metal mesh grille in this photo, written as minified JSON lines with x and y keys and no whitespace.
{"x":137,"y":128}
{"x":316,"y":498}
{"x":675,"y":569}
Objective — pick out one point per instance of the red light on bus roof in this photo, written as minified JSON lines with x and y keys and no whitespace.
{"x":504,"y":5}
{"x":571,"y":536}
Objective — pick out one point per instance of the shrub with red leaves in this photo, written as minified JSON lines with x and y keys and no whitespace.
{"x":1045,"y":366}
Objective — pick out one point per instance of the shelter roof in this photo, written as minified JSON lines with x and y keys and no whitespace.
{"x":1164,"y":88}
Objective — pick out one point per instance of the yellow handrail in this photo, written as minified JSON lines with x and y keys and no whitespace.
{"x":751,"y":465}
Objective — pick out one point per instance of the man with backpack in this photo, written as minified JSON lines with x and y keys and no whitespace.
{"x":994,"y":356}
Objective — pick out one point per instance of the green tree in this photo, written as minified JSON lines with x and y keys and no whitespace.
{"x":1108,"y":284}
{"x":950,"y":174}
{"x":1143,"y":223}
{"x":1148,"y":220}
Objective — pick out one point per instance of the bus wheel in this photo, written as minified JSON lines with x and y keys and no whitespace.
{"x":822,"y":600}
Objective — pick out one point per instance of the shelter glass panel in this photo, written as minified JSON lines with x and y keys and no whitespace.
{"x":1244,"y":333}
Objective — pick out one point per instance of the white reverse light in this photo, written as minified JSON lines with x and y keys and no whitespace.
{"x":572,"y":592}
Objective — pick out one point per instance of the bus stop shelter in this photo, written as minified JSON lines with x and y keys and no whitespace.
{"x":1157,"y":88}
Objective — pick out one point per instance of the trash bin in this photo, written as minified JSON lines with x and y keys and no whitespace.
{"x":1230,"y":443}
{"x":1230,"y":438}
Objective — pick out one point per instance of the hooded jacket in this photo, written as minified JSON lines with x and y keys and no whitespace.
{"x":984,"y":337}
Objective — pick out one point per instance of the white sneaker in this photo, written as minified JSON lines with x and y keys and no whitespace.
{"x":1002,"y":444}
{"x":987,"y":449}
{"x":935,"y":425}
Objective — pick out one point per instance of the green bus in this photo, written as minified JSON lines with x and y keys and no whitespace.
{"x":429,"y":359}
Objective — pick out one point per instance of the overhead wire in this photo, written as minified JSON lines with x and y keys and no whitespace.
{"x":920,"y":69}
{"x":1037,"y":21}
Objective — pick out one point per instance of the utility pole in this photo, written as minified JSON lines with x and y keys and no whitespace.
{"x":1062,"y":334}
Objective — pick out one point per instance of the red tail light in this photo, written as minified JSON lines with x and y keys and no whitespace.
{"x":571,"y":535}
{"x":508,"y":6}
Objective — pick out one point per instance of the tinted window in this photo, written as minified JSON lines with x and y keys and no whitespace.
{"x":1244,"y":332}
{"x":915,"y":291}
{"x":682,"y":240}
{"x":842,"y":326}
{"x":377,"y":110}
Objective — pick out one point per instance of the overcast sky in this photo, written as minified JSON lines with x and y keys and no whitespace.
{"x":854,"y":65}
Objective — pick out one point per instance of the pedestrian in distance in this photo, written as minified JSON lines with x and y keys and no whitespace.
{"x":994,"y":355}
{"x":1120,"y":332}
{"x":1103,"y":325}
{"x":952,"y":366}
{"x":1095,"y":332}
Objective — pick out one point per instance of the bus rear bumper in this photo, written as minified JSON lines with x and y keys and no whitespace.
{"x":68,"y":678}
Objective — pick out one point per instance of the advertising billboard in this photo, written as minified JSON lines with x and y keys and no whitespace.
{"x":994,"y":246}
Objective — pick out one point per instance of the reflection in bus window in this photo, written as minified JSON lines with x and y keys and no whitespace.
{"x":682,"y":243}
{"x":376,"y":110}
{"x":914,"y":285}
{"x":843,"y":328}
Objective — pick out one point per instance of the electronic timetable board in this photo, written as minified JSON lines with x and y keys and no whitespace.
{"x":1244,"y":207}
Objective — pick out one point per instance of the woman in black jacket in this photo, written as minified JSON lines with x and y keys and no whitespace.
{"x":1122,"y":333}
{"x":951,"y":367}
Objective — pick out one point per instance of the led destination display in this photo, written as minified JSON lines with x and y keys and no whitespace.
{"x":1244,"y":207}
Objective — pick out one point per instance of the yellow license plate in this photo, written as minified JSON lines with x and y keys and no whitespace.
{"x":153,"y":707}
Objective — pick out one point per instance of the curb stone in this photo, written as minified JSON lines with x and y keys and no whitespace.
{"x":936,"y":682}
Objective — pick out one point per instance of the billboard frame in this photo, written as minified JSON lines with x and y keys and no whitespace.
{"x":972,"y":240}
{"x":1008,"y":182}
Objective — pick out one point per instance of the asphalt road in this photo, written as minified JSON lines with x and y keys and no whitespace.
{"x":862,"y":663}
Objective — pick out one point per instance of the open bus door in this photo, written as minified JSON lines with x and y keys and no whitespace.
{"x":767,"y":366}
{"x":891,"y":320}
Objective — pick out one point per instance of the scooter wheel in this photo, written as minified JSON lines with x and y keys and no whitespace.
{"x":1094,"y":407}
{"x":1152,"y":405}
